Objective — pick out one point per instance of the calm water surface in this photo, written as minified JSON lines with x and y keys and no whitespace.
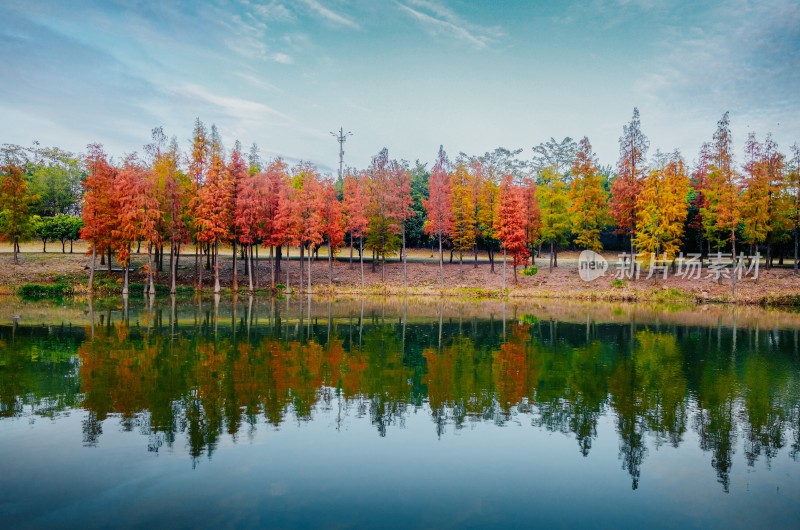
{"x":361,"y":414}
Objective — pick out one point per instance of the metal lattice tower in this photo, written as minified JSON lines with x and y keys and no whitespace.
{"x":341,"y":137}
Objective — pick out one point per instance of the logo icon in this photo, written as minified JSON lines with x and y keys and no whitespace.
{"x":591,"y":265}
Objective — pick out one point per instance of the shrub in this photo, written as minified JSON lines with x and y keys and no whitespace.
{"x":530,"y":271}
{"x":36,"y":291}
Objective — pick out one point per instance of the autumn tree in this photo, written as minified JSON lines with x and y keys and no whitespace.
{"x":99,"y":212}
{"x":385,"y":210}
{"x":533,"y":215}
{"x":402,"y":206}
{"x":307,"y":213}
{"x":764,"y":203}
{"x":276,"y":181}
{"x":236,"y":172}
{"x":510,"y":224}
{"x":355,"y":211}
{"x":15,"y":205}
{"x":793,"y":199}
{"x":625,"y":188}
{"x":463,"y":204}
{"x":722,"y":215}
{"x":552,"y":196}
{"x":439,"y":206}
{"x":212,"y":205}
{"x":333,"y":223}
{"x":249,"y":217}
{"x":588,"y":200}
{"x":172,"y":189}
{"x":661,"y":209}
{"x":699,"y":195}
{"x":138,"y":216}
{"x":197,"y":170}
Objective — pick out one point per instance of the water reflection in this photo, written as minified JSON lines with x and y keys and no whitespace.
{"x":208,"y":369}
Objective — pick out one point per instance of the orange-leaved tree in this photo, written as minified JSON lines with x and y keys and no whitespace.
{"x":625,"y":188}
{"x":333,"y":223}
{"x":99,"y":212}
{"x":138,"y":216}
{"x":511,"y":224}
{"x":212,"y":206}
{"x":355,"y":210}
{"x":439,"y":207}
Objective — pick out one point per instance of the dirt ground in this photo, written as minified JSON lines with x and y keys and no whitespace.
{"x":778,"y":285}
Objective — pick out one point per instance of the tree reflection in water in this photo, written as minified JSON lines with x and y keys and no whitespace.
{"x":204,"y":370}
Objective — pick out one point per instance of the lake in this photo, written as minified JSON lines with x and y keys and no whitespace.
{"x":397,"y":413}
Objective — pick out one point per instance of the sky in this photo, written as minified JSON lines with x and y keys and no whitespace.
{"x":408,"y":75}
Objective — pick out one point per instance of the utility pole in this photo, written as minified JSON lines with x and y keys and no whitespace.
{"x":341,"y":137}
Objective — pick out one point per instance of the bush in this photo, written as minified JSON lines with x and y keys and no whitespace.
{"x":36,"y":291}
{"x":530,"y":271}
{"x":617,"y":283}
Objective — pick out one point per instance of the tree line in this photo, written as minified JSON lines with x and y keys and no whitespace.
{"x":496,"y":203}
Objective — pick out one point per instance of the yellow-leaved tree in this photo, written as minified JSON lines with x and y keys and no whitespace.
{"x":662,"y":208}
{"x":588,"y":200}
{"x":463,"y":212}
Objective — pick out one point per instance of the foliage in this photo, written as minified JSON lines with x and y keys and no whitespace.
{"x":633,"y":146}
{"x":661,"y":209}
{"x":36,"y":291}
{"x":588,"y":201}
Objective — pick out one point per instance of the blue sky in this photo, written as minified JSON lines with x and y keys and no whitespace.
{"x":405,"y":74}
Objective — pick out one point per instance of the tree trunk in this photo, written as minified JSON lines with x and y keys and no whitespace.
{"x":351,"y":250}
{"x":504,"y":269}
{"x":491,"y":259}
{"x":302,"y":257}
{"x":250,"y":270}
{"x":217,"y":287}
{"x":405,"y":267}
{"x":63,"y":246}
{"x":460,"y":263}
{"x":235,"y":283}
{"x":150,"y":288}
{"x":108,"y":264}
{"x":441,"y":263}
{"x":173,"y":267}
{"x":552,"y":244}
{"x":330,"y":265}
{"x":795,"y":251}
{"x":288,"y":289}
{"x":91,"y":268}
{"x":198,"y":266}
{"x":361,"y":258}
{"x":308,"y":274}
{"x":44,"y":246}
{"x":475,"y":266}
{"x":70,"y":246}
{"x":126,"y":265}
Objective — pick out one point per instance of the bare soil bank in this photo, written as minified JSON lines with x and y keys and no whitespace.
{"x":777,"y":286}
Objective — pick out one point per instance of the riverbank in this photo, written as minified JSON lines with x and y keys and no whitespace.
{"x":778,"y":286}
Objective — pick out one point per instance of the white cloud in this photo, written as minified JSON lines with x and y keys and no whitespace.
{"x":282,"y":58}
{"x":441,"y":21}
{"x":746,"y":59}
{"x":330,"y":15}
{"x":237,"y":108}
